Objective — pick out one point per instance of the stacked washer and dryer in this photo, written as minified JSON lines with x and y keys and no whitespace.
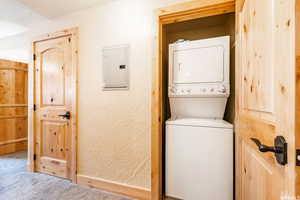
{"x":199,"y":143}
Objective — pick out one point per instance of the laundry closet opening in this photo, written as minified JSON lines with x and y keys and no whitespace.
{"x":174,"y":171}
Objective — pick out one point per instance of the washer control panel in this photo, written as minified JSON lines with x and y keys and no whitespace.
{"x":207,"y":90}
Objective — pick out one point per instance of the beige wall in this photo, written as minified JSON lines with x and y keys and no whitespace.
{"x":114,"y":126}
{"x":114,"y":137}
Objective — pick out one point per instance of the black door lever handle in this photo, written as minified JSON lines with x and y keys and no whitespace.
{"x":280,"y":149}
{"x":265,"y":148}
{"x":66,"y":116}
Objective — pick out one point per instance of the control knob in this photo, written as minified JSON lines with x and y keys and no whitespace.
{"x":172,"y":90}
{"x":222,"y":89}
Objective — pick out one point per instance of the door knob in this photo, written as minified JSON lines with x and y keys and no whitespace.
{"x":265,"y":148}
{"x":67,"y":115}
{"x":280,"y":149}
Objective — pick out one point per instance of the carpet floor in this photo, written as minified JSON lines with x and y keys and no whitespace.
{"x":17,"y":184}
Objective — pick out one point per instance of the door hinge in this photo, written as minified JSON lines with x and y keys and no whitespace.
{"x":34,"y":57}
{"x":34,"y":156}
{"x":34,"y":107}
{"x":297,"y":157}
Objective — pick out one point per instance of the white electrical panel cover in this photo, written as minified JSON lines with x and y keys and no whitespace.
{"x":116,"y":67}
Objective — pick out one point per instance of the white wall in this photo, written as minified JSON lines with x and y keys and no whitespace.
{"x":114,"y":126}
{"x":15,"y":48}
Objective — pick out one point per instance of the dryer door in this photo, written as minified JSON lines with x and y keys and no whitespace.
{"x":199,"y":65}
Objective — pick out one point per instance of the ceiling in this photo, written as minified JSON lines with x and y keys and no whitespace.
{"x":19,"y":16}
{"x":16,"y":18}
{"x":9,"y":29}
{"x":56,"y":8}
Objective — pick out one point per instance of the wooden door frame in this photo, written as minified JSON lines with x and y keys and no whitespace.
{"x":73,"y":32}
{"x":177,"y":13}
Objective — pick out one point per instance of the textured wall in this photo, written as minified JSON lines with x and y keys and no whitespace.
{"x":114,"y":126}
{"x":114,"y":137}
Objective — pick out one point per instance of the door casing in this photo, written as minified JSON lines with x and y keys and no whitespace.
{"x":177,"y":13}
{"x":73,"y":33}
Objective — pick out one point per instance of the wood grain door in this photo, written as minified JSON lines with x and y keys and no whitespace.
{"x":265,"y":98}
{"x":54,"y":100}
{"x":13,"y":106}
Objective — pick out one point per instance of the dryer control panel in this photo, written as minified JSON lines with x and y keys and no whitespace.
{"x":201,"y":91}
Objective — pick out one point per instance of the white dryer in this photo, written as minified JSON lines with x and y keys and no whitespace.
{"x":199,"y":144}
{"x":199,"y":78}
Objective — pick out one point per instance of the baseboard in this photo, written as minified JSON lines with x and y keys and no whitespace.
{"x":108,"y":186}
{"x":12,"y":147}
{"x":30,"y":167}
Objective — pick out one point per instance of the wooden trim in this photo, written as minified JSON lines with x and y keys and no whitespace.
{"x":14,"y":68}
{"x":156,"y":109}
{"x":194,"y":10}
{"x":31,"y":117}
{"x":12,"y":105}
{"x":177,"y":13}
{"x":75,"y":63}
{"x":239,"y":5}
{"x":237,"y":151}
{"x":58,"y":34}
{"x":13,"y":147}
{"x":297,"y":119}
{"x":73,"y":33}
{"x":122,"y":189}
{"x":13,"y":117}
{"x":11,"y":63}
{"x":13,"y":141}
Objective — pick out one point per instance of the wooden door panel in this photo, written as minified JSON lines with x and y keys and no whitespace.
{"x":21,"y":128}
{"x":257,"y":65}
{"x":21,"y":87}
{"x":54,"y":167}
{"x":257,"y":128}
{"x":54,"y":142}
{"x":53,"y":76}
{"x":6,"y":87}
{"x":258,"y":176}
{"x":13,"y":124}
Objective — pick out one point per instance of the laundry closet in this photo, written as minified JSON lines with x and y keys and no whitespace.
{"x":198,"y":95}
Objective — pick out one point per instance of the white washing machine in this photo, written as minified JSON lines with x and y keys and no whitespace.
{"x":199,"y":159}
{"x":199,"y":143}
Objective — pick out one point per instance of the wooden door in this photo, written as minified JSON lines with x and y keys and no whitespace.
{"x":13,"y":106}
{"x":265,"y":98}
{"x":55,"y":106}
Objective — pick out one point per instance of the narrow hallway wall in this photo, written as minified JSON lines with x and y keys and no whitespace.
{"x":114,"y":126}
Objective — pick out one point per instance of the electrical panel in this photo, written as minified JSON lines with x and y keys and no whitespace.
{"x":116,"y":67}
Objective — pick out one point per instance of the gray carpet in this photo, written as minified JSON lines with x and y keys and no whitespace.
{"x":17,"y":184}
